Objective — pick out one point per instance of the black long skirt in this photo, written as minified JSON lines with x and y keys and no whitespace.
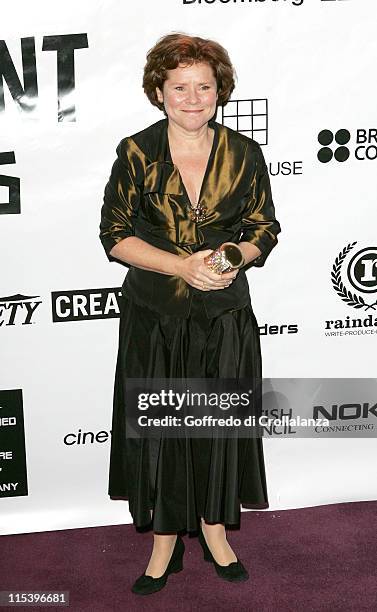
{"x":182,"y":479}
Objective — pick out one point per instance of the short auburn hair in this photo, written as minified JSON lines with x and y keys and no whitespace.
{"x":178,"y":48}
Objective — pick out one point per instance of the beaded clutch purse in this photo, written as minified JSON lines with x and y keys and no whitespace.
{"x":226,"y":257}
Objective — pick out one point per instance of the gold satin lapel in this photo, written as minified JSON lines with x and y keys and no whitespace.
{"x":225,"y":172}
{"x":162,"y":177}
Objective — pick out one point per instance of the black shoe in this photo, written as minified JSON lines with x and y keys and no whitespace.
{"x":234,"y":572}
{"x":145,"y":584}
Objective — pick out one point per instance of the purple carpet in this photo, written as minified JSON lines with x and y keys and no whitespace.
{"x":321,"y":558}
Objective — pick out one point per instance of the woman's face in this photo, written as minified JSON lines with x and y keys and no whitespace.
{"x":189,"y":95}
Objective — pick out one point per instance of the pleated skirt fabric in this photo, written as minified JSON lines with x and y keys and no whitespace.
{"x":182,"y":479}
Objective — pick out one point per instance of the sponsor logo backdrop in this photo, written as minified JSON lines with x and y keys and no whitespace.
{"x":70,"y":89}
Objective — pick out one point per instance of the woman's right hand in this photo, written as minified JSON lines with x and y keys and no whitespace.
{"x":197,"y":274}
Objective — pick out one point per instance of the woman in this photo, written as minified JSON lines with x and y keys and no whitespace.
{"x":179,"y":189}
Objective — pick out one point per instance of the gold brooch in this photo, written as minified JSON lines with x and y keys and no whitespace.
{"x":198,"y":212}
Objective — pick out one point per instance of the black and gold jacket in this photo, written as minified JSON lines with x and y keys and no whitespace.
{"x":145,"y":197}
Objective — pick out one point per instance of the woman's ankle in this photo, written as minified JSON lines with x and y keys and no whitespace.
{"x":163,"y":547}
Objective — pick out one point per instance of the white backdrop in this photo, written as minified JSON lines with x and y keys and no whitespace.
{"x":314,"y":61}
